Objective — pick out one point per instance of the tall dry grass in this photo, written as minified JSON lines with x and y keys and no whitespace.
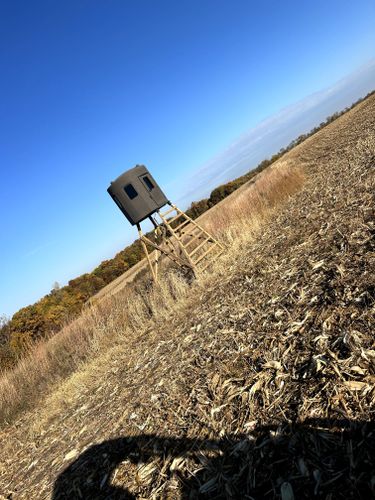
{"x":127,"y":315}
{"x":252,"y":204}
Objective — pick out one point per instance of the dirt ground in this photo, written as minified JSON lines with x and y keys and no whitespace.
{"x":261,"y":385}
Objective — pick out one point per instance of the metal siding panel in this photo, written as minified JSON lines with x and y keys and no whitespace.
{"x":143,"y":205}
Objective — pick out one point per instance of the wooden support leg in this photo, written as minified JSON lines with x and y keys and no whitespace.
{"x":144,"y":246}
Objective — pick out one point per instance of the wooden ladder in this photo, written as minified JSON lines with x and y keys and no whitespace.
{"x":182,"y":240}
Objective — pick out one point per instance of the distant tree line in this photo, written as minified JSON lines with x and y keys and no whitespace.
{"x":61,"y":305}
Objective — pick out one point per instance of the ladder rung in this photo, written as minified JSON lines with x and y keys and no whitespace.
{"x":196,"y":236}
{"x":181,"y":225}
{"x":189,"y":232}
{"x":175,"y":218}
{"x":198,"y":247}
{"x":205,"y":253}
{"x":168,"y":212}
{"x":178,"y":236}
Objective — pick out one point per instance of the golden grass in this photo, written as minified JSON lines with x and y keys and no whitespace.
{"x":129,"y":312}
{"x":255,"y":202}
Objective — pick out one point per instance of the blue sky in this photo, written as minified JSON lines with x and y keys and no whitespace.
{"x":89,"y":89}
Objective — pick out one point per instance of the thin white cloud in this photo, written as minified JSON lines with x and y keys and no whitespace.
{"x":273,"y":133}
{"x":37,"y":249}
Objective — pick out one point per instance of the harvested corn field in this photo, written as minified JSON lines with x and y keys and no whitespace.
{"x":259,"y":382}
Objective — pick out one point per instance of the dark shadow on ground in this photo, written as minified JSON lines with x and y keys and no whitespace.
{"x":317,"y":459}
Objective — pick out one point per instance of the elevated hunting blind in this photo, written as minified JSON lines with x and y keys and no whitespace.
{"x":137,"y":194}
{"x":177,"y":237}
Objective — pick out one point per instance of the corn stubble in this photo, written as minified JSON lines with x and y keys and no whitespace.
{"x":255,"y":381}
